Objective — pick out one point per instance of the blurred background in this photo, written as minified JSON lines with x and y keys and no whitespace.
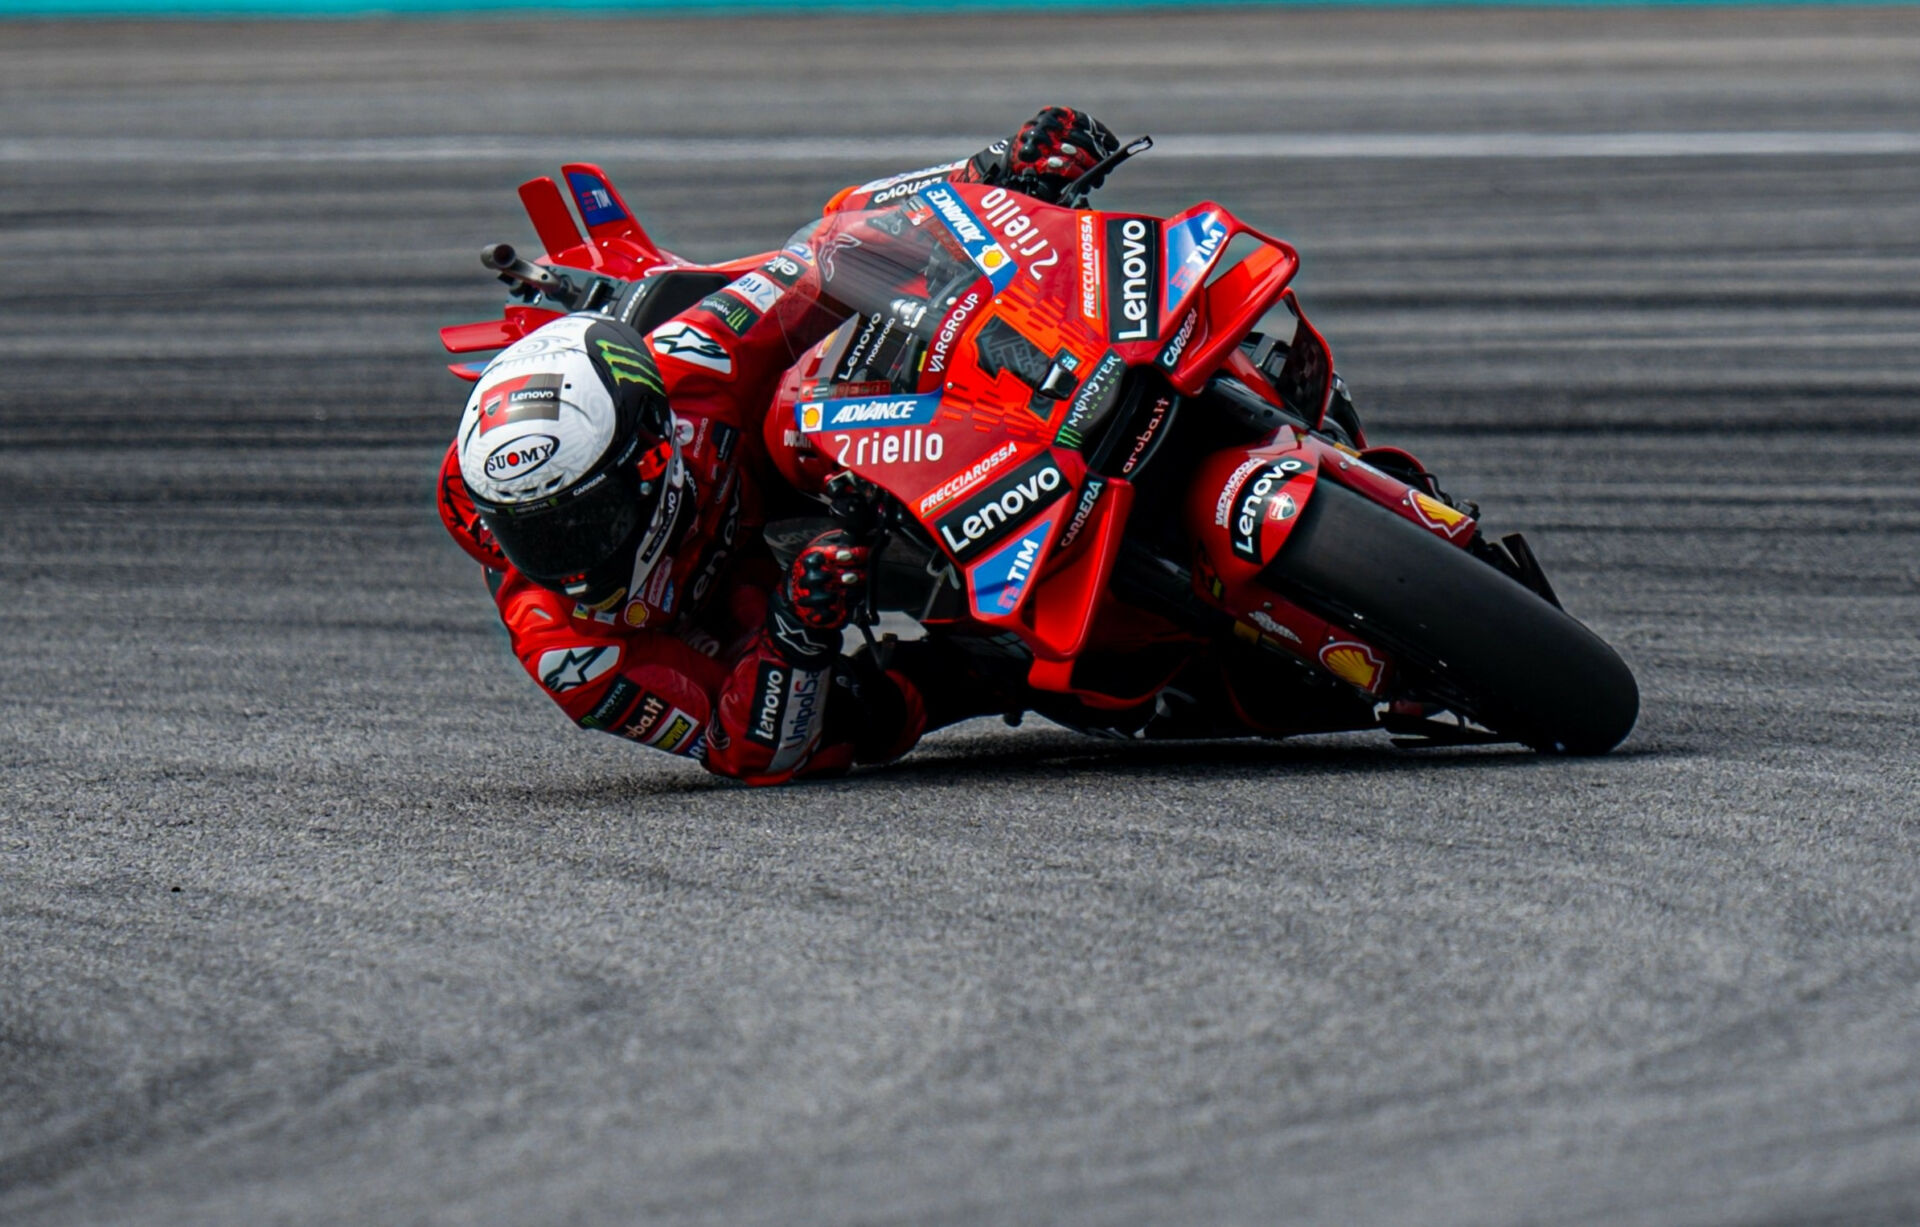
{"x":314,"y":910}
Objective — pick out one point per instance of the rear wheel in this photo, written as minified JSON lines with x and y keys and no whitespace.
{"x":1466,"y":635}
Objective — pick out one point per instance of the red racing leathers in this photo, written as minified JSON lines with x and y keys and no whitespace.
{"x":696,"y":664}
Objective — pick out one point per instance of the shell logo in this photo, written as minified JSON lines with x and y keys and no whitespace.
{"x":1353,"y":663}
{"x":1436,"y":514}
{"x":992,"y":259}
{"x":636,"y":614}
{"x":809,"y":417}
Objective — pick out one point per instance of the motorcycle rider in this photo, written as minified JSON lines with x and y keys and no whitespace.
{"x":614,"y":487}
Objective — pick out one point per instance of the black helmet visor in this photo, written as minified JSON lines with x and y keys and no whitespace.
{"x":552,"y":542}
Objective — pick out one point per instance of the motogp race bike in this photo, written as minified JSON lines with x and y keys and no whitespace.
{"x":1079,"y":458}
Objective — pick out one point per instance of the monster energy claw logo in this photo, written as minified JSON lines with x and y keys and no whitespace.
{"x":628,"y":365}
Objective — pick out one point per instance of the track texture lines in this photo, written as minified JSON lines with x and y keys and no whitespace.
{"x":312,"y":910}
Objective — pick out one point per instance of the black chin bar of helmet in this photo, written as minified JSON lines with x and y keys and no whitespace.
{"x":1087,"y":184}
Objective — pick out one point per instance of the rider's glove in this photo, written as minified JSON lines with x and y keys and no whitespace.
{"x":1056,"y":147}
{"x":818,"y":597}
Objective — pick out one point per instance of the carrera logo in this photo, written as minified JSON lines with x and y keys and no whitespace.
{"x":949,"y":331}
{"x":1250,"y":507}
{"x":1133,"y":281}
{"x":1170,"y":356}
{"x":1082,"y":512}
{"x":518,"y":457}
{"x":1002,"y":508}
{"x":954,"y":487}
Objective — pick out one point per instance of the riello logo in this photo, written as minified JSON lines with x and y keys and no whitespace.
{"x":1002,"y":508}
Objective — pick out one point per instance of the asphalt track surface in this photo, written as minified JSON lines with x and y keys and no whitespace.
{"x":313,"y":910}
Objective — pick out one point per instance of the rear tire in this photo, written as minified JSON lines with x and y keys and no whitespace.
{"x":1475,"y":640}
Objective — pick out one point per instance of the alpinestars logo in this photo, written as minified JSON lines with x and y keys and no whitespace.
{"x":1000,"y":510}
{"x":688,"y":344}
{"x":564,"y":669}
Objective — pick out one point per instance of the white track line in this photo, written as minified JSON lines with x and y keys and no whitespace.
{"x":684,"y":151}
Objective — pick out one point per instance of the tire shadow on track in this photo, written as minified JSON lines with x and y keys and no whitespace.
{"x":1013,"y":760}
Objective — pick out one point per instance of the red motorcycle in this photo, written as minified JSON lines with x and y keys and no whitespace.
{"x":1079,"y":461}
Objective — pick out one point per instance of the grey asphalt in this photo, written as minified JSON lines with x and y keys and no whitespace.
{"x":312,"y":910}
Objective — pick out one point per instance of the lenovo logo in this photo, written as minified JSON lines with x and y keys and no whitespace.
{"x":1133,"y":280}
{"x":1003,"y":507}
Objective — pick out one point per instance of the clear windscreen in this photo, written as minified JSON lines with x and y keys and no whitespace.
{"x":896,"y":275}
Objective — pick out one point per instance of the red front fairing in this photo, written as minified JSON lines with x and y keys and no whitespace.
{"x":986,"y":435}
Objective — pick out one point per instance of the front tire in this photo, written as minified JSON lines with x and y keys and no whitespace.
{"x":1466,"y":634}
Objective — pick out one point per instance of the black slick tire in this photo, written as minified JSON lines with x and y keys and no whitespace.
{"x":1477,"y":640}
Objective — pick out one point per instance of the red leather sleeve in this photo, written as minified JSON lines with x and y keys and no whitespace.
{"x":749,"y":715}
{"x":723,"y":357}
{"x":896,"y":188}
{"x":647,"y":687}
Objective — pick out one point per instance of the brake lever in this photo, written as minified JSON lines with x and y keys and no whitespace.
{"x":1087,"y":184}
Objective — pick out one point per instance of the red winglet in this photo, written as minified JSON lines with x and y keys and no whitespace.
{"x":469,"y":371}
{"x":487,"y":334}
{"x":547,"y":209}
{"x":601,"y":207}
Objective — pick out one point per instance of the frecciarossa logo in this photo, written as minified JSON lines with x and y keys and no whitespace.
{"x":996,"y":512}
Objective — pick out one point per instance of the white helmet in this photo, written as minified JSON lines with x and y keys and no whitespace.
{"x":569,"y":451}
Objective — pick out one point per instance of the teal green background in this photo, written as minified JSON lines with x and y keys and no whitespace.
{"x":721,"y":8}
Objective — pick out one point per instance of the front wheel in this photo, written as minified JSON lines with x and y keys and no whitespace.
{"x":1465,"y":634}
